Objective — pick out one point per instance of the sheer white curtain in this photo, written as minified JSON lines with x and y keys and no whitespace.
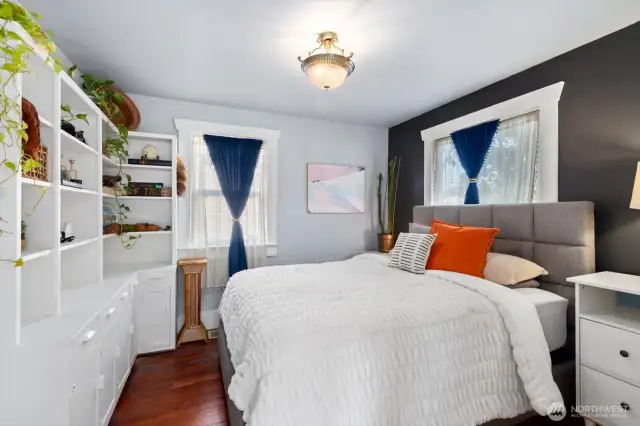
{"x":210,"y":221}
{"x":508,"y":174}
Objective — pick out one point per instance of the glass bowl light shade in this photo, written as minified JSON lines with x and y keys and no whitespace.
{"x":329,"y":67}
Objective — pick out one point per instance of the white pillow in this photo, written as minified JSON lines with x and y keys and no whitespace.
{"x":415,"y":228}
{"x":509,"y":270}
{"x":412,"y":251}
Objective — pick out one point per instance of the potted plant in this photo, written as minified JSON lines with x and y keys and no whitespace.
{"x":103,"y":94}
{"x":23,"y":236}
{"x":387,"y":206}
{"x":67,"y":117}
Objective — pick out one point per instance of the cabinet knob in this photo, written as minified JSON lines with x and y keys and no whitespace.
{"x":624,"y":354}
{"x":88,"y":336}
{"x":625,"y":406}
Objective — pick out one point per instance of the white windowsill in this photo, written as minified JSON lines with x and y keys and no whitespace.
{"x":272,"y":249}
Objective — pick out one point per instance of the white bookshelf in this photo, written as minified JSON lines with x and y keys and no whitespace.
{"x":161,"y":211}
{"x":33,"y":294}
{"x":75,"y":315}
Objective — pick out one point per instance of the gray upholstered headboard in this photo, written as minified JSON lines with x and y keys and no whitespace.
{"x":557,"y":236}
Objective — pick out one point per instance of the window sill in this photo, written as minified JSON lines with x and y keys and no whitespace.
{"x":272,"y":249}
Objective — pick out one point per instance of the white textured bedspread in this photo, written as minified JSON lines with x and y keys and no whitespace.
{"x":356,"y":343}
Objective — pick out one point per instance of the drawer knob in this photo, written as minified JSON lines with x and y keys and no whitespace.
{"x":624,"y":354}
{"x":88,"y":336}
{"x":625,"y":406}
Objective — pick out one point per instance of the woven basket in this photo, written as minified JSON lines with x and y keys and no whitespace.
{"x":40,"y":173}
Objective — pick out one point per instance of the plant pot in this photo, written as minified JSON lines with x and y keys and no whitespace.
{"x":23,"y":244}
{"x":68,"y":127}
{"x":385,"y":243}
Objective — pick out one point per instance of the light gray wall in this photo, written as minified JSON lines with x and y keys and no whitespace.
{"x":302,"y":237}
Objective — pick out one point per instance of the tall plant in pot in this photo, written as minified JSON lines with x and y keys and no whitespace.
{"x":387,"y":205}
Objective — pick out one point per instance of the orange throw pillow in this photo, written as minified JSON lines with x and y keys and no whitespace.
{"x":459,"y":248}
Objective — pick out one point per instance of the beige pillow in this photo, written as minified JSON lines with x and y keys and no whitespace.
{"x":509,"y":270}
{"x":526,"y":284}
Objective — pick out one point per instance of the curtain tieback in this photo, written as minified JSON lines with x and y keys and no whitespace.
{"x":473,"y":180}
{"x":235,"y":219}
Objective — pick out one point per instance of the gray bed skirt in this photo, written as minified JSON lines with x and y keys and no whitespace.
{"x":563,"y":374}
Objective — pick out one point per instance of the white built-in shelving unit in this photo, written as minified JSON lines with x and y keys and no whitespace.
{"x":58,"y":303}
{"x":35,"y":291}
{"x":156,"y":246}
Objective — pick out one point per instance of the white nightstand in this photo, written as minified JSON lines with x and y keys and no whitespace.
{"x":607,"y":349}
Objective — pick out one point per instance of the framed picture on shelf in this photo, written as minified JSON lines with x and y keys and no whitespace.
{"x":335,"y":188}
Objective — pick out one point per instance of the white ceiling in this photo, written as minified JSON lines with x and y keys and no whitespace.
{"x":410,"y":55}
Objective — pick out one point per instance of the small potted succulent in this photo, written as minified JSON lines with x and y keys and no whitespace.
{"x":23,"y":236}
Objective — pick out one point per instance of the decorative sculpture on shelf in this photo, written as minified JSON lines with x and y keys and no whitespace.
{"x":69,"y":176}
{"x":65,"y":233}
{"x":23,"y":236}
{"x":30,"y":117}
{"x":116,"y":228}
{"x":181,"y":175}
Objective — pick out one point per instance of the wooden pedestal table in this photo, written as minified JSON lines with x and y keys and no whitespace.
{"x":193,"y":330}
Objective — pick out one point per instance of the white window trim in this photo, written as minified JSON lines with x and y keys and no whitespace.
{"x":187,"y":128}
{"x":544,"y":100}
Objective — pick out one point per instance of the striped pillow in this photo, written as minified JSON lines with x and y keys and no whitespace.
{"x":412,"y":251}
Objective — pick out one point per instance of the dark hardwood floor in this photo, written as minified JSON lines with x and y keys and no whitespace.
{"x":184,"y":388}
{"x":180,"y":388}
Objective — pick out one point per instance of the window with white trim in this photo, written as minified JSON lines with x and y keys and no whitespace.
{"x":509,"y":172}
{"x":215,"y":217}
{"x":192,"y":212}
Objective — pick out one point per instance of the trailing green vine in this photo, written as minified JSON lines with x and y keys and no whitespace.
{"x":117,"y":147}
{"x":67,"y":115}
{"x":102,"y":93}
{"x":14,"y":55}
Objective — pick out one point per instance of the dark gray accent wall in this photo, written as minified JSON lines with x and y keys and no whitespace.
{"x":599,"y":138}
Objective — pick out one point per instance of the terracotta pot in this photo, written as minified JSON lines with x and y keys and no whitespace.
{"x":129,"y":115}
{"x":385,"y":243}
{"x":23,"y":244}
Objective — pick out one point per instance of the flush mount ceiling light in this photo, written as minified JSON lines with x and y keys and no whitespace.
{"x":327,"y":66}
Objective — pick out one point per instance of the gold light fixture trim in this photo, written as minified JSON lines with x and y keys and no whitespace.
{"x":327,"y":66}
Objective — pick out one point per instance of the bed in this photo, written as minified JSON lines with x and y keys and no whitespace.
{"x":557,"y":236}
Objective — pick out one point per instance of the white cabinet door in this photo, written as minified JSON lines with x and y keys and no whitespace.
{"x":153,"y":317}
{"x":84,"y":395}
{"x":133,"y":329}
{"x":123,"y":352}
{"x":107,"y":378}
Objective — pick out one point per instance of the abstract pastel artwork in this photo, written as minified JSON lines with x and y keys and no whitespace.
{"x":335,"y":189}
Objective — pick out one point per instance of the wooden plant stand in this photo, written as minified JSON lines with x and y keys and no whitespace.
{"x":193,"y":330}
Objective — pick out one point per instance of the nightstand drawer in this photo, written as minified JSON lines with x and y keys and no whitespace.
{"x":610,"y":350}
{"x":600,"y":390}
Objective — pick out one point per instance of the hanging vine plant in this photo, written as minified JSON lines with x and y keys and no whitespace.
{"x":117,"y":147}
{"x":14,"y":55}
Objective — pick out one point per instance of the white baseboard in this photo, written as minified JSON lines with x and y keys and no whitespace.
{"x":210,"y":318}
